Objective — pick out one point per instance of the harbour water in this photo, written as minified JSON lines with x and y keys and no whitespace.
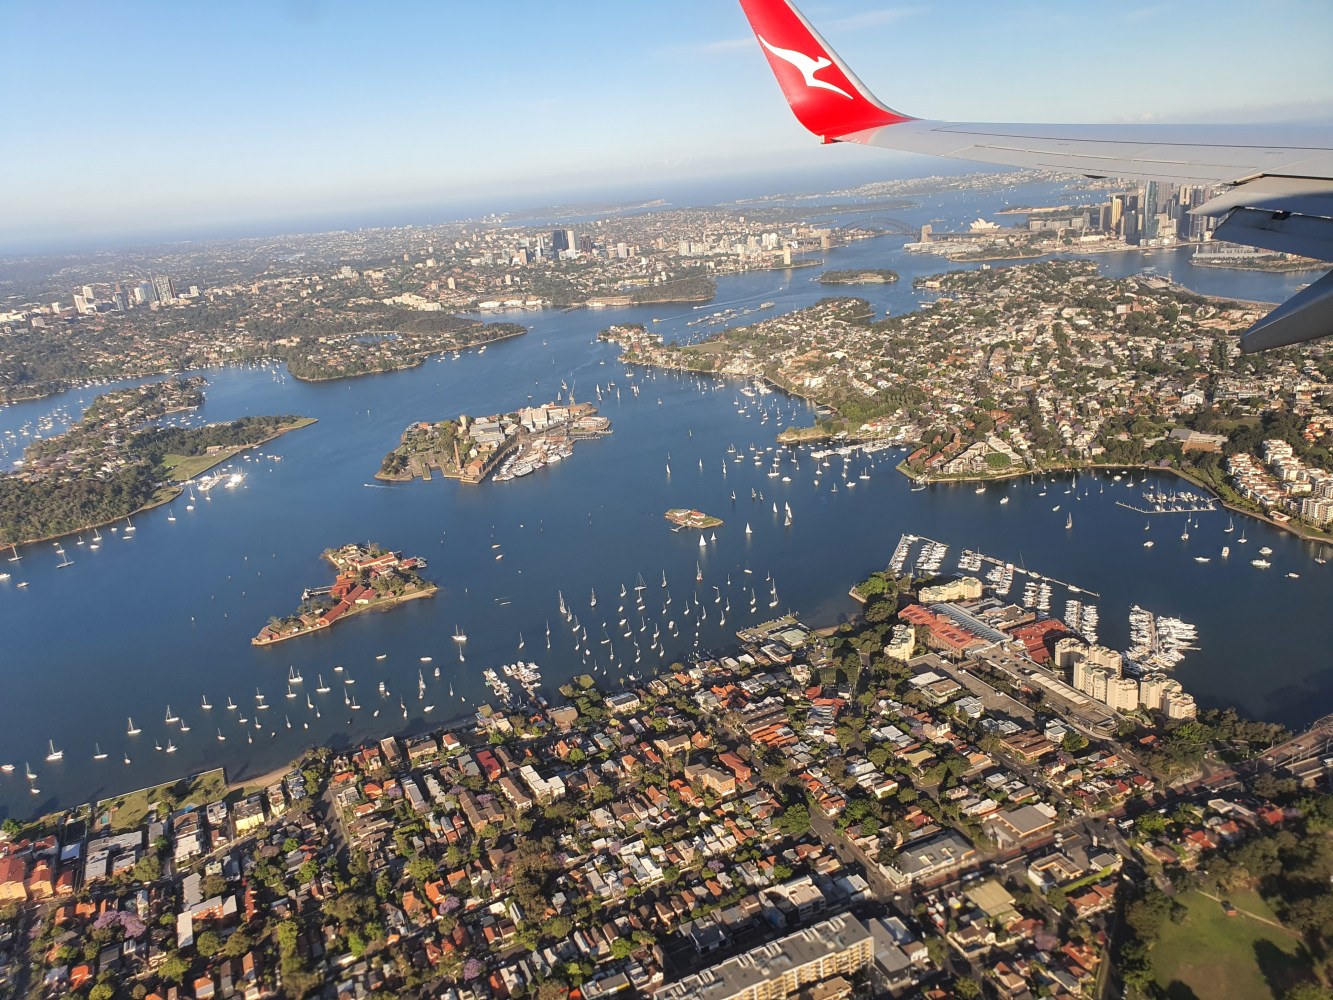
{"x":164,"y":614}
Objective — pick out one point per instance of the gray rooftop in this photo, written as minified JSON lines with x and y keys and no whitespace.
{"x":770,"y":961}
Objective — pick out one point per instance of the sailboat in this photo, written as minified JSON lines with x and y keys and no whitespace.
{"x":171,"y":717}
{"x":323,"y":688}
{"x":292,"y":676}
{"x":55,"y":754}
{"x":703,"y":542}
{"x":748,"y":529}
{"x":1069,"y":521}
{"x":15,"y":557}
{"x":133,"y":730}
{"x":205,"y":704}
{"x":1231,"y":525}
{"x":97,"y":752}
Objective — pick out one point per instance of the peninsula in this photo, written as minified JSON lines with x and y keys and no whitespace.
{"x":844,"y":780}
{"x":116,"y":461}
{"x":369,"y":578}
{"x":507,"y":445}
{"x":1042,"y":368}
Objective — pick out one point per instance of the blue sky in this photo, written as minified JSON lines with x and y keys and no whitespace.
{"x":119,"y":119}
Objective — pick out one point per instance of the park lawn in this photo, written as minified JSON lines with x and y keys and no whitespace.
{"x":127,"y":811}
{"x":1219,"y":957}
{"x":183,"y":467}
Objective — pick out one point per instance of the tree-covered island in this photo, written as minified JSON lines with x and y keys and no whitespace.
{"x":862,"y":276}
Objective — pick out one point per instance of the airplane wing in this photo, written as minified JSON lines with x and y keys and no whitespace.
{"x":1278,"y":180}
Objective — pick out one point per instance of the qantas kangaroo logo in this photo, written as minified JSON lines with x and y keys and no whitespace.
{"x":807,"y":66}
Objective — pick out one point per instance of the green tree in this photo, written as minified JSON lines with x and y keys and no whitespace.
{"x":148,"y":868}
{"x":213,"y":885}
{"x":175,"y":968}
{"x":102,"y":991}
{"x":1074,"y":741}
{"x":621,"y":948}
{"x":237,"y":945}
{"x":421,"y":869}
{"x":207,"y":944}
{"x":795,"y":820}
{"x":1308,"y":991}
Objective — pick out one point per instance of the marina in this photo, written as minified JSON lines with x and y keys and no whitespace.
{"x":214,"y":575}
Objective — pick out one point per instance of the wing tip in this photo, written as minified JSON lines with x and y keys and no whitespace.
{"x":824,"y":94}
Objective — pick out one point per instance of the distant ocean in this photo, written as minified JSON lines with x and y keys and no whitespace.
{"x":688,"y":191}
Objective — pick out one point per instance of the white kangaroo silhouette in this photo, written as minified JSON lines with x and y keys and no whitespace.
{"x":807,"y":66}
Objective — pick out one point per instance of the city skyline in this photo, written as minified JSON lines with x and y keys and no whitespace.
{"x":310,"y":110}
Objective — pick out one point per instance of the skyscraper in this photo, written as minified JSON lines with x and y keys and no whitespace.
{"x":1152,"y":196}
{"x":164,"y":287}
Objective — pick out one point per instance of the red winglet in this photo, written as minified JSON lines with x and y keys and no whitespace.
{"x":823,"y":92}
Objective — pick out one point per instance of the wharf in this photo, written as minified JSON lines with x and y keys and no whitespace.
{"x":905,"y":543}
{"x":1072,"y":588}
{"x":765,"y":630}
{"x":1201,"y":508}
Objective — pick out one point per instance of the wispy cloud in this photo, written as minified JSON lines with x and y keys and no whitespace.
{"x":872,"y":18}
{"x":852,"y":22}
{"x":1146,"y":13}
{"x":695,"y":50}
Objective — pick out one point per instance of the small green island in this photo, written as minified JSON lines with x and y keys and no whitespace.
{"x":867,"y":276}
{"x":117,"y":461}
{"x":683,"y":518}
{"x":505,"y":445}
{"x":370,"y":578}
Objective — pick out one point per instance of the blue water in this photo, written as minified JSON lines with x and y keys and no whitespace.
{"x":166,"y":616}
